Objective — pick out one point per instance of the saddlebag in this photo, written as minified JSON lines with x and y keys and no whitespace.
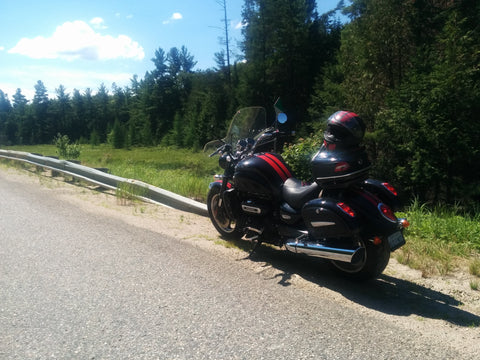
{"x":326,"y":218}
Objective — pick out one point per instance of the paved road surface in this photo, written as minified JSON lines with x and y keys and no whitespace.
{"x":81,"y":285}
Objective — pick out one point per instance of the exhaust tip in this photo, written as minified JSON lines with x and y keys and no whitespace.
{"x":358,"y":256}
{"x":318,"y":250}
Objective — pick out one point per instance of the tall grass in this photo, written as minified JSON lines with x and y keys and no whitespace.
{"x":439,"y":237}
{"x":181,"y":171}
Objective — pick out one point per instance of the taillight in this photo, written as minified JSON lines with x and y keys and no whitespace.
{"x":346,"y":209}
{"x":390,"y":188}
{"x":387,"y":212}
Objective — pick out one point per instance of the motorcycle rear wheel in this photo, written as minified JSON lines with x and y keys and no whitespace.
{"x":226,"y":226}
{"x":372,"y":264}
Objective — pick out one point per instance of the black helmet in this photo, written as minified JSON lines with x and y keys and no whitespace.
{"x":345,"y":129}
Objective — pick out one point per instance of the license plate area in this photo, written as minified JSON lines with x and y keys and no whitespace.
{"x":396,"y":240}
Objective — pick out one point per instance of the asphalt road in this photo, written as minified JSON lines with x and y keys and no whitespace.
{"x":80,"y":285}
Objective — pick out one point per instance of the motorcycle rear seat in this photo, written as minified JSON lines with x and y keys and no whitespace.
{"x":296,"y":192}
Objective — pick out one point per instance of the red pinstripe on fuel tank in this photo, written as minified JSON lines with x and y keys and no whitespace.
{"x":280,"y":164}
{"x":277,"y":165}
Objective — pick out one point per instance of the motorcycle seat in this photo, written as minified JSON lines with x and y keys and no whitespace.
{"x":296,"y":192}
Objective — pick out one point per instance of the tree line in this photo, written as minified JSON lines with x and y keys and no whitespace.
{"x":410,"y":69}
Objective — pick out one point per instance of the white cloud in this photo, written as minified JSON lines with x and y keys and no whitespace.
{"x":239,"y":25}
{"x":98,"y":23}
{"x":52,"y":76}
{"x":175,"y":16}
{"x":128,"y":17}
{"x":2,"y":48}
{"x":77,"y":40}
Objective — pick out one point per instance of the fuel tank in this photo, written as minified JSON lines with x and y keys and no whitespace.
{"x":262,"y":175}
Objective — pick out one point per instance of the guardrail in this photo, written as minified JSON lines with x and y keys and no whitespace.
{"x":101,"y":178}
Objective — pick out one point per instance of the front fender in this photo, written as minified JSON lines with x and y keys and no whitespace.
{"x":219,"y":184}
{"x":229,"y":197}
{"x":214,"y":184}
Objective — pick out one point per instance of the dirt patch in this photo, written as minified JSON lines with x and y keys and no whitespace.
{"x":444,"y":309}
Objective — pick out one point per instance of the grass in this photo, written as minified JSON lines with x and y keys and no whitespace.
{"x":127,"y":193}
{"x":474,"y":267}
{"x":439,"y":240}
{"x":181,"y":171}
{"x":474,"y":284}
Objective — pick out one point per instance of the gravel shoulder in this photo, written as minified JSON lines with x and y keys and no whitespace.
{"x":445,"y":308}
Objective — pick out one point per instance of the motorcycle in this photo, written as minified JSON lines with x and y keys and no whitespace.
{"x":342,"y":216}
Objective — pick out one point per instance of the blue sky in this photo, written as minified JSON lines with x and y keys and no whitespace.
{"x":84,"y":43}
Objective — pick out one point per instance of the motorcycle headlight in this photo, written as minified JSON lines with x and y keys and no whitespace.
{"x":224,"y":160}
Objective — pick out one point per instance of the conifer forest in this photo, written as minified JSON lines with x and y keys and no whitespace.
{"x":409,"y":68}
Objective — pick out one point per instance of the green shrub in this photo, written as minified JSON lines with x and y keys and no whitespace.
{"x":65,"y":149}
{"x":299,"y":155}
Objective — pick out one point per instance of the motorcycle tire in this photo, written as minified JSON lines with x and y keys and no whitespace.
{"x":374,"y":261}
{"x":226,"y":226}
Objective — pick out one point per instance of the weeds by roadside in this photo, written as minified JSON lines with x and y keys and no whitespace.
{"x":475,"y":267}
{"x":129,"y":192}
{"x":181,"y":171}
{"x":440,"y":240}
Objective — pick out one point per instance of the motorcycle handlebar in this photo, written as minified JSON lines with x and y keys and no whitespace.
{"x":223,"y":148}
{"x":215,"y":152}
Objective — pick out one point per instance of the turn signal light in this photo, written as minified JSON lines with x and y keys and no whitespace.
{"x":346,"y":209}
{"x":377,"y":240}
{"x":404,"y":223}
{"x":387,"y":212}
{"x":390,"y":188}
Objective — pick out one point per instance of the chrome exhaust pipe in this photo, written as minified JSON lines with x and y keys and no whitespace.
{"x":325,"y":252}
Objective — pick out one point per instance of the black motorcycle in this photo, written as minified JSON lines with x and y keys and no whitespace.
{"x":342,"y":216}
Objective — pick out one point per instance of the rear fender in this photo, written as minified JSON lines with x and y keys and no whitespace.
{"x":384,"y":192}
{"x":369,"y":207}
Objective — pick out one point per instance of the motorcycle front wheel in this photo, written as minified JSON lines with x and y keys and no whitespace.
{"x":374,"y":260}
{"x":226,"y":226}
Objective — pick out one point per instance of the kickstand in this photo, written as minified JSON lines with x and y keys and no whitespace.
{"x":256,"y":243}
{"x":253,"y":235}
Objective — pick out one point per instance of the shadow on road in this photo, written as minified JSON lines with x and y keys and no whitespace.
{"x":386,"y":294}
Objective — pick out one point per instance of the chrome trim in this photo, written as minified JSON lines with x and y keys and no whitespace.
{"x":254,"y":235}
{"x":258,"y":231}
{"x":325,"y":252}
{"x":344,"y":176}
{"x":322,"y":223}
{"x":251,"y":209}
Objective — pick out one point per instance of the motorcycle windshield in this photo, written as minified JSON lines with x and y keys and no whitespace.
{"x":247,"y":123}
